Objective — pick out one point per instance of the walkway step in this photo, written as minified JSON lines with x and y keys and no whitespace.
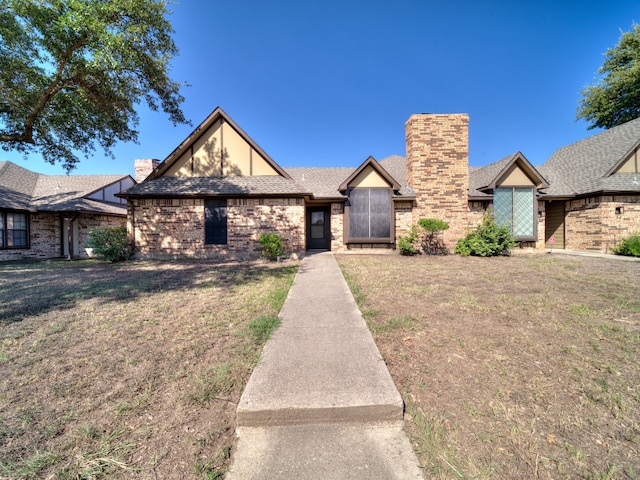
{"x":321,"y":365}
{"x":325,"y":452}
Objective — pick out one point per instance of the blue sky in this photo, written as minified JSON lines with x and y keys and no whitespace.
{"x":328,"y":83}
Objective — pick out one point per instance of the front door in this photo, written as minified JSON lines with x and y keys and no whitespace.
{"x":318,"y":231}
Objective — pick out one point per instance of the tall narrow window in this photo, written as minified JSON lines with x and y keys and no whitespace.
{"x":515,"y":208}
{"x":370,"y":214}
{"x":215,"y":222}
{"x":14,"y":230}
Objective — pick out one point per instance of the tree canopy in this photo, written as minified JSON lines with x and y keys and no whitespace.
{"x":615,"y":97}
{"x":72,"y":73}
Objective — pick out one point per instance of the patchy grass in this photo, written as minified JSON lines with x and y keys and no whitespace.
{"x":511,"y":367}
{"x":129,"y":370}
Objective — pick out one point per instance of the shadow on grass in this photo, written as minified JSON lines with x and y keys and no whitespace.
{"x":33,"y":288}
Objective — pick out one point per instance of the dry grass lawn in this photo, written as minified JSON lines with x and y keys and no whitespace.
{"x":522,"y":367}
{"x":131,"y":370}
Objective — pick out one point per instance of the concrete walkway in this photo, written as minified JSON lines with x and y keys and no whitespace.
{"x":321,"y":404}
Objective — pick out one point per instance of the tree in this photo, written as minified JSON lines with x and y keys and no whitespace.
{"x":615,"y":98}
{"x":73,"y":71}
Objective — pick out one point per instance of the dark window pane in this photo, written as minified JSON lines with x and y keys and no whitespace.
{"x":370,"y":213}
{"x":215,"y":222}
{"x":2,"y":219}
{"x":359,"y":213}
{"x":16,"y":230}
{"x":380,"y":213}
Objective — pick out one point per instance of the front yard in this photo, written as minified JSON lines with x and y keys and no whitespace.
{"x":521,"y":367}
{"x":512,"y":367}
{"x":130,"y":370}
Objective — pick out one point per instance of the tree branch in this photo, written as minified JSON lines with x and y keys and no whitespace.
{"x":55,"y":87}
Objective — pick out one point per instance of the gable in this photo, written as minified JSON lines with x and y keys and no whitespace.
{"x":218,"y":147}
{"x":369,"y":174}
{"x":631,"y":164}
{"x":515,"y":176}
{"x":368,"y":177}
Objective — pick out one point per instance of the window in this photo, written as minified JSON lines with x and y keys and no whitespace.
{"x":215,"y":222}
{"x":515,"y":208}
{"x":13,"y":230}
{"x":370,"y":214}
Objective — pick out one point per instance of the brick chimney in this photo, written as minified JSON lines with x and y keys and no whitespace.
{"x":144,"y":167}
{"x":438,"y":169}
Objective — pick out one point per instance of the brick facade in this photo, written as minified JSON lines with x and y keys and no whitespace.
{"x":438,"y":171}
{"x":601,"y":222}
{"x":337,"y":227}
{"x":403,"y":218}
{"x":173,"y":227}
{"x":46,"y":236}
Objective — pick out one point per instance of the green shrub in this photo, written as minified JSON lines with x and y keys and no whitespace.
{"x":271,"y":245}
{"x":407,"y":242}
{"x":109,"y":243}
{"x":629,"y":246}
{"x":432,"y":243}
{"x":488,"y":240}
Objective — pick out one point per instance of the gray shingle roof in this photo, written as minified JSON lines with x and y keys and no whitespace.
{"x":482,"y":176}
{"x":22,"y":189}
{"x":581,"y":168}
{"x":324,"y":182}
{"x":217,"y":186}
{"x":321,"y":182}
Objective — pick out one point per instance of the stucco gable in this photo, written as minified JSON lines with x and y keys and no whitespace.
{"x":218,"y":147}
{"x":369,"y":172}
{"x":513,"y":170}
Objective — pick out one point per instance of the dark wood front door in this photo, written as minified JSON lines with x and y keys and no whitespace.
{"x":318,"y":230}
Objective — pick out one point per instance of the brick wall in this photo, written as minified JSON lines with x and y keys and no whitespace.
{"x":45,"y":235}
{"x":87,"y":223}
{"x":438,"y":171}
{"x":403,"y":218}
{"x":337,"y":227}
{"x":143,"y":168}
{"x":593,"y":224}
{"x":175,"y":227}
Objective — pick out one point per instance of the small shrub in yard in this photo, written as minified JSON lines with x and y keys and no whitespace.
{"x":109,"y":243}
{"x":488,"y":240}
{"x":407,"y":242}
{"x":271,"y":245}
{"x":629,"y":246}
{"x":432,"y":243}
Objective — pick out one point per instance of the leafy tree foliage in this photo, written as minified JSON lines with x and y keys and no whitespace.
{"x":73,"y":71}
{"x":615,"y":98}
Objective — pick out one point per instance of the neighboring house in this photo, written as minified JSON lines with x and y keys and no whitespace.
{"x":218,"y":191}
{"x":50,"y":216}
{"x":593,"y":199}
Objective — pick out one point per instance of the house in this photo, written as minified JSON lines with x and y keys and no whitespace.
{"x":593,"y":199}
{"x":50,"y":216}
{"x":218,"y":191}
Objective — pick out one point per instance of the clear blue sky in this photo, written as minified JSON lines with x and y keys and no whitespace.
{"x":328,"y":83}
